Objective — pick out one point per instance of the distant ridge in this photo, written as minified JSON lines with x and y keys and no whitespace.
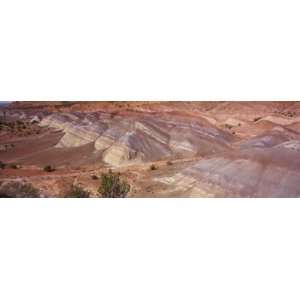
{"x":4,"y":103}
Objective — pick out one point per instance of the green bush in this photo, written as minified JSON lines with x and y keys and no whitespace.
{"x":49,"y":168}
{"x":2,"y":165}
{"x":77,"y":192}
{"x":112,"y":186}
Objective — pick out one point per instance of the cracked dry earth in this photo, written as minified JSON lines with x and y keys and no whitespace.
{"x":198,"y":149}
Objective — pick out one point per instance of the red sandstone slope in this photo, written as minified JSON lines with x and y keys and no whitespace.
{"x":216,"y":107}
{"x":215,"y":148}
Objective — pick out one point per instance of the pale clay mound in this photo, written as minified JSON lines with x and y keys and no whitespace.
{"x":216,"y":149}
{"x":236,"y":178}
{"x":132,"y":140}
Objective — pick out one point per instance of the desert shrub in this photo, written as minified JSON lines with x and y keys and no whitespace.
{"x":67,"y":103}
{"x":169,"y":163}
{"x":77,"y":192}
{"x":49,"y":168}
{"x":112,"y":186}
{"x":13,"y":166}
{"x":3,"y":195}
{"x":289,"y":114}
{"x":18,"y":190}
{"x":153,"y":167}
{"x":94,"y":177}
{"x":2,"y":165}
{"x":257,"y":119}
{"x":228,"y":126}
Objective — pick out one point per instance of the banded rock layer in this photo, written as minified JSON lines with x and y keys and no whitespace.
{"x":138,"y":138}
{"x":248,"y":149}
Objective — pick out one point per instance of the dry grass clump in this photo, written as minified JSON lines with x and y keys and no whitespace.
{"x":18,"y":189}
{"x":77,"y":191}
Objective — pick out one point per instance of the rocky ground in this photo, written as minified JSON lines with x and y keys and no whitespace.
{"x":162,"y":149}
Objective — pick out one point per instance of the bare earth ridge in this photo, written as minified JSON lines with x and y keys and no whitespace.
{"x":199,"y":149}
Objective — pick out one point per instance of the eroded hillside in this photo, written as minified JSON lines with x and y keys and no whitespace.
{"x":199,"y":149}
